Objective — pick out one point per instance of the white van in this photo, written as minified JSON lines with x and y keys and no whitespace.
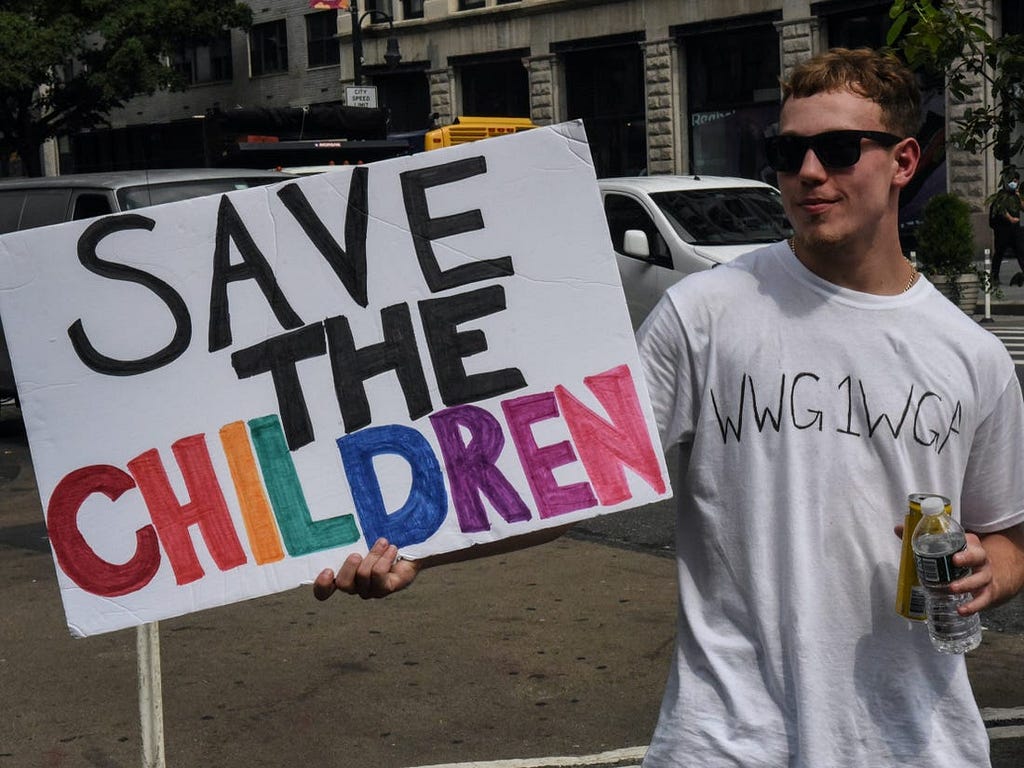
{"x":665,"y":227}
{"x":40,"y":202}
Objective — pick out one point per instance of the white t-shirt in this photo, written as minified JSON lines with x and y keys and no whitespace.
{"x":807,"y":413}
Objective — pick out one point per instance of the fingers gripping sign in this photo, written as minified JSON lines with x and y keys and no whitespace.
{"x":377,"y":574}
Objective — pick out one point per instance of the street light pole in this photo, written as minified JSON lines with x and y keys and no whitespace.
{"x":357,"y":43}
{"x":391,"y":56}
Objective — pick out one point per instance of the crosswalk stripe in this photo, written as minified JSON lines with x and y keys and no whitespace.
{"x":1012,"y":337}
{"x":1003,"y":715}
{"x":1006,"y":732}
{"x":1004,"y":722}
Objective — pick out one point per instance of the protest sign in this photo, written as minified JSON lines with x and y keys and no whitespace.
{"x":225,"y":395}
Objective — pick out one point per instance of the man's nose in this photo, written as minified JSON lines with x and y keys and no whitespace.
{"x":812,"y":167}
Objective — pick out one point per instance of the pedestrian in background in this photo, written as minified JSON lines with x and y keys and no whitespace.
{"x":1008,"y":236}
{"x":811,"y":386}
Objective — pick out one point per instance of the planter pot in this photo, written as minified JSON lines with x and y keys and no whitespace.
{"x":969,"y":288}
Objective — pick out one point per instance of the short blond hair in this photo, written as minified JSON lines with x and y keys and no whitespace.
{"x":880,"y":77}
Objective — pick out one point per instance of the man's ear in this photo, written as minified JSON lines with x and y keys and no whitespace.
{"x":906,"y":156}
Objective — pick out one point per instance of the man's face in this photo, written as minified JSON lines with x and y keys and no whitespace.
{"x":840,"y":207}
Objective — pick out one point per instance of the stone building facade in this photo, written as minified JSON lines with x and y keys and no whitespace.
{"x":663,"y":86}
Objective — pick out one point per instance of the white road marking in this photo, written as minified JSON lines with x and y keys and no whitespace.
{"x":1000,"y":722}
{"x":1006,"y":732}
{"x":1004,"y":722}
{"x":629,"y":757}
{"x":1012,"y":337}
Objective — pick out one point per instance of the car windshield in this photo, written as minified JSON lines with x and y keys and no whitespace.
{"x":735,"y":216}
{"x":154,"y":194}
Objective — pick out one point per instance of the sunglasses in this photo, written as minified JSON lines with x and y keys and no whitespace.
{"x":834,"y":149}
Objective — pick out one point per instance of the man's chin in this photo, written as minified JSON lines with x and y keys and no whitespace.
{"x":820,"y":239}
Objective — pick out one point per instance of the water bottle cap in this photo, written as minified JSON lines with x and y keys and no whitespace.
{"x":932,"y":506}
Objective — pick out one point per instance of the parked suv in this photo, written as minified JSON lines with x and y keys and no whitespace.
{"x":665,"y":227}
{"x":39,"y":202}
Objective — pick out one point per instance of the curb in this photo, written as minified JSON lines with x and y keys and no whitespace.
{"x":1000,"y":308}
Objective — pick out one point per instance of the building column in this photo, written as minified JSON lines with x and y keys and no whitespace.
{"x":542,"y":73}
{"x":661,"y":106}
{"x":799,"y":39}
{"x":442,"y":83}
{"x":968,"y":175}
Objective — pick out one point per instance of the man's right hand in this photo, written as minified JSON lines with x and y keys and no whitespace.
{"x":377,"y":574}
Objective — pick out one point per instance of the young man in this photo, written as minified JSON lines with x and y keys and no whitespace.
{"x":811,"y":386}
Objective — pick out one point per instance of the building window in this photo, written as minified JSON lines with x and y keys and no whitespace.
{"x":268,"y":48}
{"x":468,"y":5}
{"x":866,"y":24}
{"x":412,"y":9}
{"x":733,"y":88}
{"x":495,"y":88}
{"x":406,"y":96}
{"x":1013,"y":17}
{"x":605,"y":88}
{"x":384,"y":6}
{"x":505,"y":2}
{"x":322,"y":48}
{"x":208,"y":63}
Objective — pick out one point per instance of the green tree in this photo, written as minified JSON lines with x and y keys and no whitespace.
{"x":951,"y":38}
{"x":65,"y":64}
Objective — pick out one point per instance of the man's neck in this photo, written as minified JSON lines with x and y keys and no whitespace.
{"x":877,"y":268}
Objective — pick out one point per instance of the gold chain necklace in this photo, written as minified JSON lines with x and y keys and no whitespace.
{"x":913,"y":270}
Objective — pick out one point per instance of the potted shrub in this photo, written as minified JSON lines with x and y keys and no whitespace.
{"x":945,"y":250}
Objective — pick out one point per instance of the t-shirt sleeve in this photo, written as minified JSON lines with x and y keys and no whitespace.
{"x":993,"y":490}
{"x":666,"y":361}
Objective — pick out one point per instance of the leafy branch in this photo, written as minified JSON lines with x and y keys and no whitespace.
{"x":66,"y":64}
{"x":949,"y":40}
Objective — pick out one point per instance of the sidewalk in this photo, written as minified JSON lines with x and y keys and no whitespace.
{"x":1011,"y":302}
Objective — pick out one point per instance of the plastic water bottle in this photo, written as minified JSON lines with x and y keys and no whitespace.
{"x":936,"y":539}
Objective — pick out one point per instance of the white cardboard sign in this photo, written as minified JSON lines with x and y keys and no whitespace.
{"x":225,"y":395}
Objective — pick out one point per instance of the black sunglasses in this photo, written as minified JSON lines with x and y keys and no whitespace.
{"x":834,"y":149}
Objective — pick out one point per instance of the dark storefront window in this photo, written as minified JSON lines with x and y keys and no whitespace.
{"x":605,"y":88}
{"x":268,"y":48}
{"x":495,"y":88}
{"x":733,"y":88}
{"x":322,"y":48}
{"x":406,"y":96}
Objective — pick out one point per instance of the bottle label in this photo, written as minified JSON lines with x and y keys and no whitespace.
{"x":917,"y":606}
{"x":939,"y":570}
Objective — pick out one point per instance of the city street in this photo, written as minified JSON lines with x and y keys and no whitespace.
{"x":554,"y":656}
